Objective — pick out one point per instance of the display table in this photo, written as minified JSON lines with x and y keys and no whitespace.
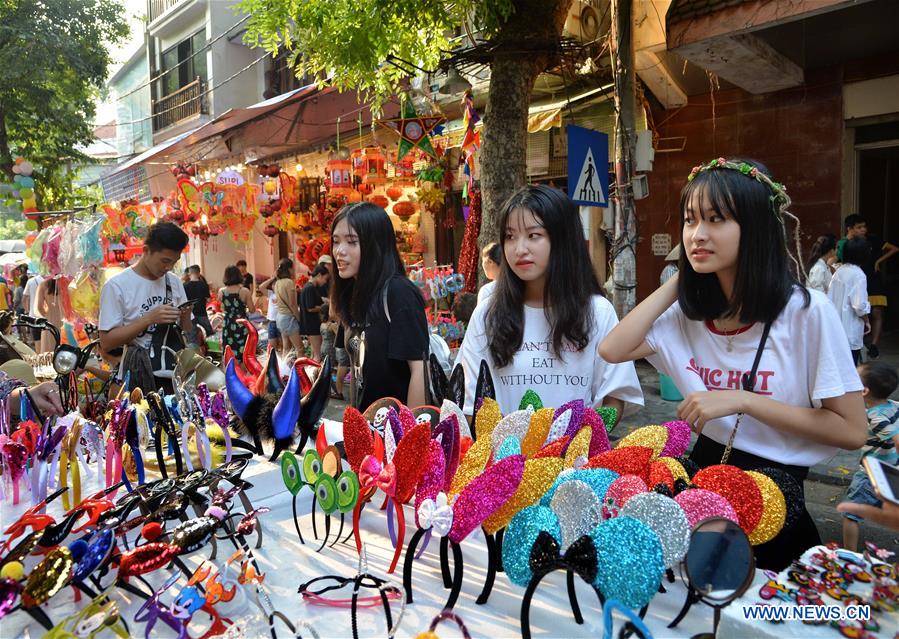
{"x":287,"y":563}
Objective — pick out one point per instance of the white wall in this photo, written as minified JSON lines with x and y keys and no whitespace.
{"x":227,"y":58}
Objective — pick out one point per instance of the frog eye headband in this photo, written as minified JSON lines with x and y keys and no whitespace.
{"x":334,"y":490}
{"x":780,"y":201}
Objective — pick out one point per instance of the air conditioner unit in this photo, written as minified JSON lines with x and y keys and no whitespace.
{"x":584,"y":22}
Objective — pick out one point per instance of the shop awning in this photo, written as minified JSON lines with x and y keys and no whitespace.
{"x":544,"y":116}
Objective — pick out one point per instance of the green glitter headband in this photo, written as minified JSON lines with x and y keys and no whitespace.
{"x":780,"y":201}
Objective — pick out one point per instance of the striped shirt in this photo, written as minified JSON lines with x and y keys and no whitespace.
{"x":883,"y":424}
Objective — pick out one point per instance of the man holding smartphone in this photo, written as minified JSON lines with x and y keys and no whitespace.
{"x":144,"y":298}
{"x":880,"y":380}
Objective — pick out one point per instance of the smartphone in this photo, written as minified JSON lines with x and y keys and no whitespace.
{"x":885,"y":479}
{"x":187,"y":303}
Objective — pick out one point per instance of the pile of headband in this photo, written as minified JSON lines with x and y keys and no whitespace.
{"x":90,"y":545}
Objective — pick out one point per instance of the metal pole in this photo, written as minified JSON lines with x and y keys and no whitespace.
{"x":624,"y":265}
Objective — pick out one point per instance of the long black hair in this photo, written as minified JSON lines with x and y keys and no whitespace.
{"x":570,"y":280}
{"x":358,"y":299}
{"x":765,"y":277}
{"x":822,"y":246}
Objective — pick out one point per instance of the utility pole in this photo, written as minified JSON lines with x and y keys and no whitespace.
{"x":624,"y":263}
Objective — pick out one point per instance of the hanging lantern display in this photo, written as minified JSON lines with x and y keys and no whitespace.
{"x":404,"y":172}
{"x":339,"y":177}
{"x":270,"y":230}
{"x":374,"y":162}
{"x":394,"y":193}
{"x":404,"y":209}
{"x":379,"y":200}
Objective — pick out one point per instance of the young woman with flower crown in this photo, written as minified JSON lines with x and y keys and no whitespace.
{"x":737,"y":302}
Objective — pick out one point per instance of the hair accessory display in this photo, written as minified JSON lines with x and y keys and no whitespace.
{"x":446,"y":615}
{"x":334,"y":489}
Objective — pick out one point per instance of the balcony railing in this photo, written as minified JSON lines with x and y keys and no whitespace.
{"x":158,"y":7}
{"x":180,"y":105}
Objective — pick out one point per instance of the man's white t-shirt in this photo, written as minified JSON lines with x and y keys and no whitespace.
{"x":127,"y":297}
{"x":849,"y":294}
{"x":31,"y":293}
{"x":806,"y":359}
{"x":580,"y":375}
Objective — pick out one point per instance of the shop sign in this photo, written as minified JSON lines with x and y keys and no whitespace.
{"x":661,"y":243}
{"x":588,"y":166}
{"x":229,"y":177}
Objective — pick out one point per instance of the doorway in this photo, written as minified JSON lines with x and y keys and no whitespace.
{"x":878,"y":203}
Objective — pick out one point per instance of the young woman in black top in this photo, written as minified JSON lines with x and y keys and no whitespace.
{"x":376,"y":301}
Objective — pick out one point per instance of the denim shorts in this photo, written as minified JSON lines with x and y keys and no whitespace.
{"x":288,"y":325}
{"x":861,"y":492}
{"x":343,"y":358}
{"x":273,"y":332}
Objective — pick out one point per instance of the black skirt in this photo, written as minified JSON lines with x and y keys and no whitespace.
{"x":778,"y":553}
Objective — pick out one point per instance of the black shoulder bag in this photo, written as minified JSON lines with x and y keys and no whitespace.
{"x":165,"y":342}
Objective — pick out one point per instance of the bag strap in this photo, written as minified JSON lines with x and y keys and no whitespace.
{"x":748,"y":384}
{"x":168,"y":291}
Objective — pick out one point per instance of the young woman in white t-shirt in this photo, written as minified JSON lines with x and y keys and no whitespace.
{"x":542,"y":324}
{"x":824,"y":253}
{"x":849,"y":294}
{"x":704,"y":326}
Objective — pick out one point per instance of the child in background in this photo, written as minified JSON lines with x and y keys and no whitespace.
{"x":849,"y":293}
{"x":880,"y":381}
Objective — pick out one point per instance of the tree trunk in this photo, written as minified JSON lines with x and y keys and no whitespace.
{"x":6,"y":162}
{"x":504,"y":152}
{"x":505,"y":133}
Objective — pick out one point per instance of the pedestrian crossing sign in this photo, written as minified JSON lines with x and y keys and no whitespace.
{"x":588,"y":166}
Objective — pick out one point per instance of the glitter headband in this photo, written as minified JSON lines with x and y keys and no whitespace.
{"x":620,"y":558}
{"x":482,"y":497}
{"x":780,"y":201}
{"x":392,"y":464}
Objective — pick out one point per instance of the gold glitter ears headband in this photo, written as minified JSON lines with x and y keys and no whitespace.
{"x":780,"y":201}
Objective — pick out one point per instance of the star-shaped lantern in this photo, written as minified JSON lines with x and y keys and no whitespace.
{"x":414,"y":130}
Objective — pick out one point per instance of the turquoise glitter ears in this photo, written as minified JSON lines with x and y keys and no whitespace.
{"x":621,"y":558}
{"x":780,"y":201}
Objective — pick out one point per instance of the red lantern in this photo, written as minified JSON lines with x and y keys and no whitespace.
{"x":404,"y":209}
{"x":274,"y":170}
{"x":394,"y":193}
{"x":379,"y":200}
{"x":266,"y":210}
{"x":270,"y":230}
